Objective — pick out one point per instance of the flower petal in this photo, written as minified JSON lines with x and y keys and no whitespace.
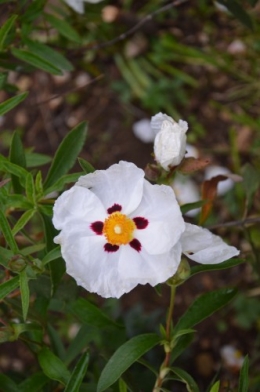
{"x":165,"y":223}
{"x":121,"y":184}
{"x":77,"y":203}
{"x":204,"y":247}
{"x":142,"y":268}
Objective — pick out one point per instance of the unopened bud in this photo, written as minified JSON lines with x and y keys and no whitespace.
{"x":182,"y":274}
{"x":17,"y":263}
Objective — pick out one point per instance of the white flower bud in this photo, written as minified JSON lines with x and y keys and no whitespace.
{"x":170,"y":142}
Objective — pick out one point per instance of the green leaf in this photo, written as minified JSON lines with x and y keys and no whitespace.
{"x":215,"y":267}
{"x":10,"y":103}
{"x":203,"y":307}
{"x":238,"y":11}
{"x":12,"y":168}
{"x":24,"y":219}
{"x":34,"y":383}
{"x":243,"y":377}
{"x":59,"y":185}
{"x":78,"y":374}
{"x":186,"y":378}
{"x":8,"y":287}
{"x":7,"y":233}
{"x":53,"y":366}
{"x":191,"y":206}
{"x":21,"y":328}
{"x":5,"y":29}
{"x":36,"y":61}
{"x":90,"y":314}
{"x":85,"y":335}
{"x":124,"y":357}
{"x":17,"y":156}
{"x":30,"y":189}
{"x":49,"y":54}
{"x":183,"y":342}
{"x":54,"y":254}
{"x":63,"y":27}
{"x":215,"y":387}
{"x":86,"y":166}
{"x":5,"y":256}
{"x":56,"y":342}
{"x":25,"y":293}
{"x":251,"y":182}
{"x":66,"y":154}
{"x":34,"y":159}
{"x":8,"y":385}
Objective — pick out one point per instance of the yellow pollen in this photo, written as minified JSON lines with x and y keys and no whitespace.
{"x":118,"y":229}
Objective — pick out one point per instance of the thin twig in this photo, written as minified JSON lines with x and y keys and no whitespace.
{"x":136,"y":27}
{"x":69,"y":91}
{"x":242,"y":222}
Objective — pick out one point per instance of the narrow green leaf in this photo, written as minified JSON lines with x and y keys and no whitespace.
{"x":66,"y":154}
{"x":90,"y":314}
{"x":5,"y":256}
{"x":251,"y":182}
{"x":34,"y":159}
{"x":124,"y":357}
{"x":86,"y":166}
{"x":12,"y":168}
{"x":63,"y":27}
{"x":183,"y":342}
{"x":7,"y":233}
{"x":203,"y":307}
{"x":30,"y":189}
{"x":56,"y":342}
{"x":38,"y":185}
{"x":25,"y":293}
{"x":8,"y":385}
{"x":215,"y":267}
{"x":36,"y":61}
{"x":27,"y":327}
{"x":187,"y":379}
{"x":243,"y":377}
{"x":191,"y":206}
{"x":9,"y":286}
{"x":10,"y":103}
{"x":53,"y":367}
{"x":24,"y":219}
{"x":54,"y":254}
{"x":238,"y":11}
{"x":215,"y":387}
{"x":49,"y":54}
{"x":78,"y":374}
{"x":122,"y":385}
{"x":17,"y":156}
{"x":34,"y":383}
{"x":32,"y":249}
{"x":5,"y":29}
{"x":59,"y":185}
{"x":85,"y":335}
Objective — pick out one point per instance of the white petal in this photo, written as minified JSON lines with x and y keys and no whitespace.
{"x":157,"y":120}
{"x":143,"y":131}
{"x":160,"y":207}
{"x":77,"y":5}
{"x":204,"y":247}
{"x":191,"y":151}
{"x":121,"y":184}
{"x":77,"y":203}
{"x":142,"y":268}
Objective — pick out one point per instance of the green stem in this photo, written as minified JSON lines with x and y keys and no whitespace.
{"x":164,"y":366}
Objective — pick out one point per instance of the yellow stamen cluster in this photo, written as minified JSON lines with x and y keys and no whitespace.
{"x":118,"y":229}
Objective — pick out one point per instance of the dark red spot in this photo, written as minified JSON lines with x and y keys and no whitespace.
{"x":97,"y":227}
{"x":141,"y":223}
{"x":135,"y":244}
{"x":111,"y":248}
{"x":115,"y":207}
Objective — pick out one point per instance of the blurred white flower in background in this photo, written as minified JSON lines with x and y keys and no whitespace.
{"x":223,"y":186}
{"x":232,"y":357}
{"x":142,"y":130}
{"x":78,"y":5}
{"x":191,"y":151}
{"x":186,"y":191}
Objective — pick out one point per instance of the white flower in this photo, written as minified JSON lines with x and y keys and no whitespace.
{"x":143,"y":131}
{"x":232,"y":357}
{"x":170,"y":141}
{"x":186,"y":191}
{"x":223,"y":186}
{"x":118,"y":230}
{"x":78,"y":5}
{"x":191,"y":151}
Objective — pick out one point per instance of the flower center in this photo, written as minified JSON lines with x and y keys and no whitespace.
{"x":118,"y":229}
